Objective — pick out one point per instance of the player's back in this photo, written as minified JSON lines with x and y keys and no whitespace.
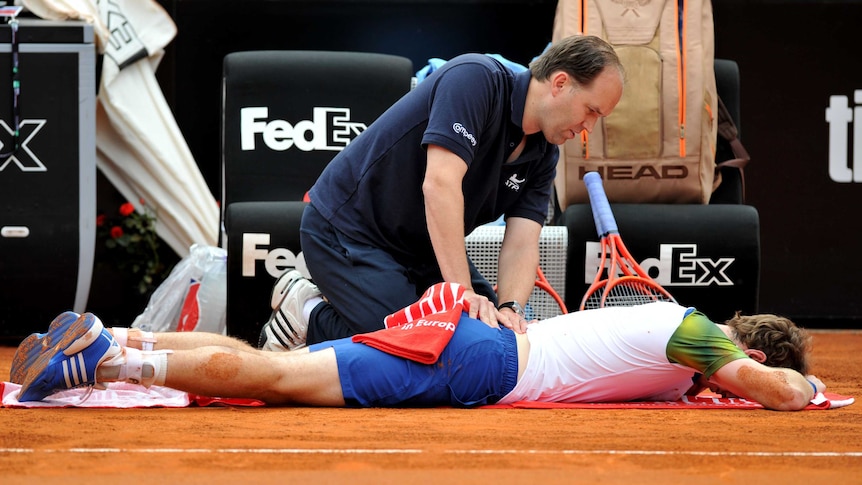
{"x":608,"y":354}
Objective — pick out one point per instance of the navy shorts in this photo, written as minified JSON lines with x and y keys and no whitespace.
{"x":479,"y":366}
{"x":362,"y":283}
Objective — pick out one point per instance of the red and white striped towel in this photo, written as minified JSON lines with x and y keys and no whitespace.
{"x":422,"y":330}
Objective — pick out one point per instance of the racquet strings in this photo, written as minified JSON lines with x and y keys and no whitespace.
{"x":625,"y":292}
{"x":628,"y":292}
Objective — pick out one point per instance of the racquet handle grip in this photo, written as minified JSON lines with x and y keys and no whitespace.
{"x":602,"y":214}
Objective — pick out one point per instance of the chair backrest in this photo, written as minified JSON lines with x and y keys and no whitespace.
{"x":285,"y":114}
{"x":706,"y":256}
{"x":730,"y":190}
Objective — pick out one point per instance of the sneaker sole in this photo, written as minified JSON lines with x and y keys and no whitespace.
{"x":76,"y":336}
{"x":30,"y":348}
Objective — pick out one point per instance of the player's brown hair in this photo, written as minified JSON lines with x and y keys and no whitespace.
{"x":784,"y":344}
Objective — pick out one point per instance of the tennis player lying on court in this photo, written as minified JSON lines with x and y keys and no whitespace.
{"x":656,"y":351}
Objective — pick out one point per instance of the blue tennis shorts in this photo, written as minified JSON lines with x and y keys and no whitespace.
{"x":479,"y":366}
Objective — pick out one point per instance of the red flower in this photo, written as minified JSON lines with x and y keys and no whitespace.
{"x":100,"y":220}
{"x":116,"y":232}
{"x":126,"y":209}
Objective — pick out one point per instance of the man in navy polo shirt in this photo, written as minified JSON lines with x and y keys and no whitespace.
{"x":471,"y":143}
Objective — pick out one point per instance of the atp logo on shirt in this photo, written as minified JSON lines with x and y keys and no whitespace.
{"x":514,"y":183}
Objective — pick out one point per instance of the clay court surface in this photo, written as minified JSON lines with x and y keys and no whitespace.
{"x":218,"y":444}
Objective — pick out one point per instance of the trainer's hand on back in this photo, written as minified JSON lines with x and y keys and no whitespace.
{"x":511,"y":320}
{"x":480,"y":307}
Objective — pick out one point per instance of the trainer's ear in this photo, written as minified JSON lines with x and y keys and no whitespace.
{"x":756,"y":355}
{"x":558,"y":82}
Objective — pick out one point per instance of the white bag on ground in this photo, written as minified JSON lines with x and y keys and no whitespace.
{"x":193,"y":296}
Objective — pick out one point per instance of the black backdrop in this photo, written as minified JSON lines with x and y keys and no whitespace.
{"x":47,"y":185}
{"x":793,"y":55}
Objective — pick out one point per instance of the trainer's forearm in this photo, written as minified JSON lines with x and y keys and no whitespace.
{"x":518,"y":260}
{"x":517,"y":273}
{"x":444,"y":214}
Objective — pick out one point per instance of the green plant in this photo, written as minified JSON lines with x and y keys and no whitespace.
{"x":132,"y":243}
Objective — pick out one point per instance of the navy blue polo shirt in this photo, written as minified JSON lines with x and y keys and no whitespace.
{"x":473,"y":106}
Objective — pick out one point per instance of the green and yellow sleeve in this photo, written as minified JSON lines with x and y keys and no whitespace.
{"x":699,"y":343}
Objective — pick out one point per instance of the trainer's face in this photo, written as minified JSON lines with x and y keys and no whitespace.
{"x":572,"y":109}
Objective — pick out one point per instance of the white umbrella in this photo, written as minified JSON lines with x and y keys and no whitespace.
{"x":140,"y":148}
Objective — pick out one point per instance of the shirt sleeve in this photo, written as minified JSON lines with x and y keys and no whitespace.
{"x":698,"y":343}
{"x":463,"y":96}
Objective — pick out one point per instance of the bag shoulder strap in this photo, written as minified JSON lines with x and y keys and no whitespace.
{"x":727,"y":130}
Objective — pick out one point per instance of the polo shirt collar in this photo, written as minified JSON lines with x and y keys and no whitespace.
{"x":519,"y":96}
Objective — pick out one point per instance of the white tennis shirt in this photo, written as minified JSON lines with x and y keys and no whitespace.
{"x":620,"y":354}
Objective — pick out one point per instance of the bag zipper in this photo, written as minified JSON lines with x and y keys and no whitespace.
{"x":682,"y":25}
{"x":585,"y":136}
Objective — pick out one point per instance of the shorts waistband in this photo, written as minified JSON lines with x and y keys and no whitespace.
{"x":510,"y":364}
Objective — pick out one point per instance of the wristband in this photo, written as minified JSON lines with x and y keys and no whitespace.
{"x":812,"y":386}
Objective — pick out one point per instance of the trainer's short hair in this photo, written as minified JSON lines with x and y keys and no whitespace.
{"x":583,"y":57}
{"x":784,"y":344}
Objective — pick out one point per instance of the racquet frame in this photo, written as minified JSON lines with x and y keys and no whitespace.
{"x":626,"y":282}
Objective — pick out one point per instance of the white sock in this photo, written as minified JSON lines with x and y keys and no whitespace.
{"x":309,"y":306}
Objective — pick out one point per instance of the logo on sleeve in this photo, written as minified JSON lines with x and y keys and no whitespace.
{"x":459,"y":128}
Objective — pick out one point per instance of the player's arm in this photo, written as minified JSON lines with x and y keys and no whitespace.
{"x":698,"y":385}
{"x":775,"y":388}
{"x":444,"y":211}
{"x":516,"y":273}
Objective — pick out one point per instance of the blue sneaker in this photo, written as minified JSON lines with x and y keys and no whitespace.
{"x":30,"y":348}
{"x":71,"y":361}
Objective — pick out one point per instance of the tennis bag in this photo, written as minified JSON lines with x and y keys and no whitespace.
{"x":658,"y":145}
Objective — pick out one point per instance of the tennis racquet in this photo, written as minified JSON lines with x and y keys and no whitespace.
{"x":626,"y":284}
{"x":544,"y":301}
{"x":543,"y":290}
